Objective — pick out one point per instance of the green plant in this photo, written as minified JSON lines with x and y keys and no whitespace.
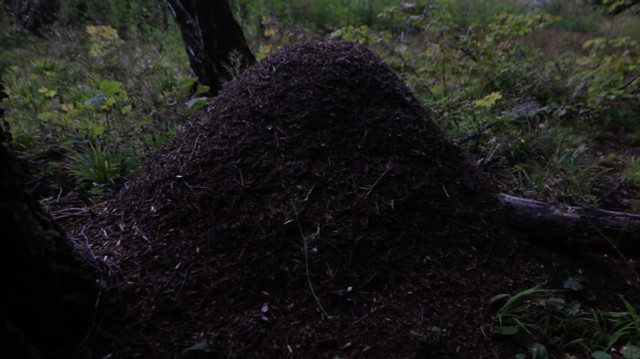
{"x":607,"y":81}
{"x":544,"y":315}
{"x":631,"y":171}
{"x":97,"y":163}
{"x":75,"y":85}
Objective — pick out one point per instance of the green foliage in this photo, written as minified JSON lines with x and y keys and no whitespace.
{"x":85,"y":84}
{"x":270,"y":25}
{"x":607,"y":80}
{"x":544,"y":315}
{"x":316,"y":15}
{"x":128,"y":17}
{"x":104,"y":39}
{"x":97,"y":163}
{"x":573,"y":17}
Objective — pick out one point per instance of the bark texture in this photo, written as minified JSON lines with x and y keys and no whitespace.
{"x":32,"y":15}
{"x":47,"y":297}
{"x":615,"y":7}
{"x":215,"y":43}
{"x":578,"y":228}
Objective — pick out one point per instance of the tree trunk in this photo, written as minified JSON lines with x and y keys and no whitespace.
{"x":48,"y":296}
{"x":33,"y":15}
{"x":615,"y":7}
{"x":576,"y":228}
{"x":215,"y":43}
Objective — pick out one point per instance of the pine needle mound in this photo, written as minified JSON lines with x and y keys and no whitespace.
{"x":315,"y":168}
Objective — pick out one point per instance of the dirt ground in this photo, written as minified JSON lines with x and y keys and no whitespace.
{"x":314,"y":209}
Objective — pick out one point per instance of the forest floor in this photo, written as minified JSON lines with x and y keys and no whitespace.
{"x":313,"y":209}
{"x":310,"y":210}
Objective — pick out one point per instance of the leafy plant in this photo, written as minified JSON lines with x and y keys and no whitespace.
{"x":544,"y":315}
{"x":97,"y":163}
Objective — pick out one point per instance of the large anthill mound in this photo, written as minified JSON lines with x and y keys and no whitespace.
{"x":319,"y":154}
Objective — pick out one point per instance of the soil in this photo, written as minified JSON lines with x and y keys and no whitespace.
{"x":314,"y":209}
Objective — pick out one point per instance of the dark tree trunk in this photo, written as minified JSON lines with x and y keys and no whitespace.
{"x":575,"y":228}
{"x":33,"y":15}
{"x":215,"y":43}
{"x":48,"y":296}
{"x":619,"y":7}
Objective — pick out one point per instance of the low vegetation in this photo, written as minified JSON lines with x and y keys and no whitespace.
{"x":545,"y":98}
{"x":568,"y":325}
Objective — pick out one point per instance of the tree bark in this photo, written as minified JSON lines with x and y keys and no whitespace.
{"x":48,"y":295}
{"x":619,"y":7}
{"x":575,"y":228}
{"x":215,"y":43}
{"x":33,"y":15}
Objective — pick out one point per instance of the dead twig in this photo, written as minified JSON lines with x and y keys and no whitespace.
{"x":477,"y":133}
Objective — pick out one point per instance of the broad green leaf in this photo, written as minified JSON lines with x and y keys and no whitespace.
{"x":631,"y":352}
{"x":98,"y":130}
{"x":489,"y":100}
{"x":506,"y":330}
{"x":600,"y":355}
{"x":201,"y":89}
{"x":112,"y":88}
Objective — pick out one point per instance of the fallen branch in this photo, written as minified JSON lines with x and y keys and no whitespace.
{"x":581,"y":228}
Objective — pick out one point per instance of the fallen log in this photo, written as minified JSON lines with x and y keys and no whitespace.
{"x":571,"y":227}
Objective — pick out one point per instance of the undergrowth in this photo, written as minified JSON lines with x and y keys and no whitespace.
{"x":88,"y":90}
{"x":547,"y":319}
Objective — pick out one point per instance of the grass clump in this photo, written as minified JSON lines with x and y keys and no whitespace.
{"x":547,"y":318}
{"x":98,"y":163}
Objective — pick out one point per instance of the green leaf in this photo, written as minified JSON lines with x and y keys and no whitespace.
{"x":203,"y":346}
{"x":489,"y":100}
{"x":631,"y":352}
{"x":197,"y":103}
{"x":497,"y":298}
{"x":506,"y":330}
{"x":201,"y":89}
{"x":419,"y":335}
{"x":98,"y":130}
{"x":600,"y":355}
{"x":112,"y":88}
